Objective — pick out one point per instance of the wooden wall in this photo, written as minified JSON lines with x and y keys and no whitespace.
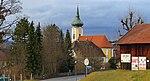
{"x":135,"y":50}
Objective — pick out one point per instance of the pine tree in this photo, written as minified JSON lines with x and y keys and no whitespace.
{"x":38,"y":49}
{"x":68,"y":51}
{"x":63,"y":56}
{"x":21,"y":31}
{"x":19,"y":46}
{"x":27,"y":45}
{"x":31,"y":55}
{"x":68,"y":40}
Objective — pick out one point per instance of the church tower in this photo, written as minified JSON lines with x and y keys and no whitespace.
{"x":77,"y":29}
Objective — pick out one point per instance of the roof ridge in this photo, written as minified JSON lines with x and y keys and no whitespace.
{"x":93,"y":35}
{"x":128,"y":32}
{"x":138,"y":34}
{"x":99,"y":40}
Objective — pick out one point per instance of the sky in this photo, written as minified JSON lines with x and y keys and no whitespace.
{"x":99,"y":16}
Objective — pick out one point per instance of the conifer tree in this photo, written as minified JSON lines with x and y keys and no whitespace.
{"x":31,"y":55}
{"x":68,"y":40}
{"x":19,"y":46}
{"x":27,"y":44}
{"x":38,"y":49}
{"x":21,"y":31}
{"x":68,"y":51}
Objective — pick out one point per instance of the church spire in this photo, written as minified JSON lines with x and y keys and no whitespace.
{"x":77,"y":22}
{"x":78,"y":12}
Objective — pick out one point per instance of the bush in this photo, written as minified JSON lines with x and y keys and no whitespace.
{"x":112,"y":63}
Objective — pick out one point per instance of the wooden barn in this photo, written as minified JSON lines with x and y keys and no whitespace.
{"x":137,"y":43}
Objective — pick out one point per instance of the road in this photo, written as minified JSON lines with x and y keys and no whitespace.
{"x":68,"y":78}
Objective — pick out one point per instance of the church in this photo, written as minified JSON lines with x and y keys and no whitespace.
{"x":100,"y":41}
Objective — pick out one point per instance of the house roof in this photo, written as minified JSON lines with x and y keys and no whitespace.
{"x":140,"y":34}
{"x":100,"y":40}
{"x":87,"y":48}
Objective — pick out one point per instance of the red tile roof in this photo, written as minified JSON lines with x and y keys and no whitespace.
{"x":99,"y":40}
{"x":140,"y":34}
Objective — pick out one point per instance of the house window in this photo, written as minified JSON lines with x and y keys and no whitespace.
{"x":73,"y":36}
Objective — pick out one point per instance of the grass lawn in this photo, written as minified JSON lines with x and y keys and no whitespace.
{"x":118,"y":75}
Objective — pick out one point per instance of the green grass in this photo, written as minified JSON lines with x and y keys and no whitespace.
{"x":118,"y":75}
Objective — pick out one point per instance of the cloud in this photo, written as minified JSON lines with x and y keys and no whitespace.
{"x":98,"y":15}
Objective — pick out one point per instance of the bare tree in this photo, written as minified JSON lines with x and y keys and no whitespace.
{"x":129,"y":22}
{"x":9,"y":8}
{"x":53,"y":53}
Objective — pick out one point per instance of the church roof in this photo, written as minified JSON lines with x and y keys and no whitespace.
{"x":77,"y":22}
{"x":99,"y":40}
{"x":88,"y":49}
{"x":140,"y":34}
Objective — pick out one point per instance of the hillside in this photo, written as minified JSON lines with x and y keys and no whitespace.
{"x":118,"y":75}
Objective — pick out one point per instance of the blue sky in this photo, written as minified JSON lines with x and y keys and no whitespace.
{"x":99,"y":16}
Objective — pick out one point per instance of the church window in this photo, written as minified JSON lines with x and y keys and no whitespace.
{"x":79,"y":35}
{"x":73,"y":36}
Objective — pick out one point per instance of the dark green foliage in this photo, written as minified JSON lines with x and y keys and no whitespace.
{"x":38,"y":49}
{"x":34,"y":47}
{"x":27,"y":45}
{"x":69,"y":62}
{"x":30,"y":57}
{"x":20,"y":40}
{"x":62,"y":39}
{"x":68,"y":40}
{"x":19,"y":46}
{"x":112,"y":63}
{"x":21,"y":31}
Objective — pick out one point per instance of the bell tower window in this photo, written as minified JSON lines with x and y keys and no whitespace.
{"x":73,"y":36}
{"x":79,"y":35}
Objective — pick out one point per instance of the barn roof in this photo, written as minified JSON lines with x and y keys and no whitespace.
{"x":140,"y":34}
{"x":100,"y":40}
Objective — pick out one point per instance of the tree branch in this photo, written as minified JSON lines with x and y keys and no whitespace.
{"x":128,"y":22}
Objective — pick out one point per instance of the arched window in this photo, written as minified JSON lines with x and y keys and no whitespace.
{"x":73,"y":36}
{"x":79,"y":35}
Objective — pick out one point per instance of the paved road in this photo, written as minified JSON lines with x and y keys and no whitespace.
{"x":68,"y":78}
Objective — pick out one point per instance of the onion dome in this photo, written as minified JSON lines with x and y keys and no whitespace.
{"x":77,"y":22}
